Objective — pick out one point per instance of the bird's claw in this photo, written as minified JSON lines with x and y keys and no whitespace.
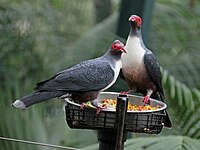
{"x":99,"y":109}
{"x":102,"y":106}
{"x":146,"y":99}
{"x":128,"y":92}
{"x":82,"y":105}
{"x":88,"y":104}
{"x":124,"y":92}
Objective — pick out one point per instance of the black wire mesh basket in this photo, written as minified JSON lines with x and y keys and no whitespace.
{"x":149,"y":121}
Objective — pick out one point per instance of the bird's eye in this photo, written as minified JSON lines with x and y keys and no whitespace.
{"x":114,"y":46}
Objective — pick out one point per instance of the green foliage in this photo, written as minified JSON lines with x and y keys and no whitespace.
{"x":185,"y":104}
{"x":32,"y":34}
{"x":174,"y":37}
{"x":19,"y":59}
{"x":90,"y":45}
{"x":42,"y":37}
{"x":154,"y":143}
{"x":164,"y":143}
{"x":18,"y":124}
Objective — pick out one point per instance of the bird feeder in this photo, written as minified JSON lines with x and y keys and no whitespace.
{"x":113,"y":125}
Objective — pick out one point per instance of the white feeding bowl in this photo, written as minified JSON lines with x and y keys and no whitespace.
{"x":133,"y":99}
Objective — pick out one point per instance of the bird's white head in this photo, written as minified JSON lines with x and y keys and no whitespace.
{"x":135,"y":21}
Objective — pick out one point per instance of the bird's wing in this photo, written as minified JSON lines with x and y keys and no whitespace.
{"x":153,"y":69}
{"x":86,"y":76}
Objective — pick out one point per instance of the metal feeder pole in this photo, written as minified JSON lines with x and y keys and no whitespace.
{"x":112,"y":139}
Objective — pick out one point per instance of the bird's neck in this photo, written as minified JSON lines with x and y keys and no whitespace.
{"x":134,"y":43}
{"x":116,"y":55}
{"x":135,"y":32}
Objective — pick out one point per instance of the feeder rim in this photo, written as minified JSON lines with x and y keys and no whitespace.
{"x":164,"y":106}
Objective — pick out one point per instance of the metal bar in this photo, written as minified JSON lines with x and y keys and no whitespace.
{"x":37,"y":143}
{"x":107,"y":139}
{"x":122,"y":103}
{"x":113,"y":139}
{"x":143,"y":8}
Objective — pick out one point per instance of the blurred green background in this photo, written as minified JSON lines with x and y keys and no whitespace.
{"x":40,"y":38}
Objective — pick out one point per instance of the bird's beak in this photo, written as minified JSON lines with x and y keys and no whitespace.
{"x":131,"y":18}
{"x":123,"y":50}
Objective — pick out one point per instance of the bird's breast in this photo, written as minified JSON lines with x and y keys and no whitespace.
{"x":116,"y":68}
{"x":133,"y":61}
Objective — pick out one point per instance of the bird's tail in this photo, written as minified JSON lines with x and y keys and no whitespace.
{"x":167,"y":122}
{"x":34,"y":98}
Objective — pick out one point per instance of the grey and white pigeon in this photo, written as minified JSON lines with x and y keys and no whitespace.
{"x":140,"y":68}
{"x":82,"y":82}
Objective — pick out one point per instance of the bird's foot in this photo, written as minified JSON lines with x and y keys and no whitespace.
{"x":99,"y":108}
{"x":93,"y":104}
{"x":124,"y":92}
{"x":82,"y":105}
{"x":128,"y":92}
{"x":88,"y":104}
{"x":146,"y":99}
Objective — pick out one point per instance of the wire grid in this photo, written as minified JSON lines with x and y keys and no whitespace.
{"x":150,"y":123}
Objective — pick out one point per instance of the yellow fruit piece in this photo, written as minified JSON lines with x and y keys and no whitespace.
{"x":111,"y":103}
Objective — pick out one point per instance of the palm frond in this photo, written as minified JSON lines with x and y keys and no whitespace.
{"x":175,"y":39}
{"x":165,"y":143}
{"x":29,"y":31}
{"x":185,"y":103}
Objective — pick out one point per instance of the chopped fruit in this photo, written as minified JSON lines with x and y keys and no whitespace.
{"x":88,"y":104}
{"x":111,"y":103}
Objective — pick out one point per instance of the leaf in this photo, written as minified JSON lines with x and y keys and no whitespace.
{"x":196,"y":134}
{"x":172,"y":86}
{"x":196,"y":94}
{"x":188,"y":99}
{"x":185,"y":104}
{"x":173,"y":37}
{"x":164,"y":75}
{"x":164,"y":143}
{"x":191,"y":126}
{"x":185,"y":119}
{"x":179,"y":93}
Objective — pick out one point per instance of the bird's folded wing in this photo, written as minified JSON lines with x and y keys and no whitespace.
{"x":88,"y":75}
{"x":153,"y":69}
